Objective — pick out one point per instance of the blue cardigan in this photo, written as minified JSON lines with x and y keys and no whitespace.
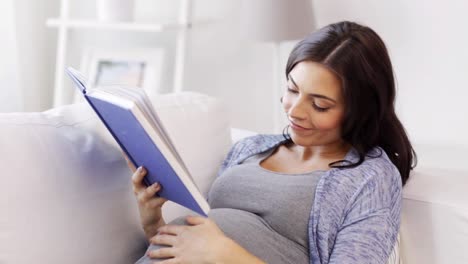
{"x":355,"y":217}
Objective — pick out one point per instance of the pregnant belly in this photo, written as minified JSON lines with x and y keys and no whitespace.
{"x":255,"y":235}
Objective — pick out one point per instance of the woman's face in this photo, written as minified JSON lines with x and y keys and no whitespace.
{"x":314,"y":104}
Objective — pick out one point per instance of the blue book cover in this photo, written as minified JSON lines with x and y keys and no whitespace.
{"x":144,"y":147}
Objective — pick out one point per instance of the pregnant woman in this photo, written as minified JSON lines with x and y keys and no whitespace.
{"x":326,"y":191}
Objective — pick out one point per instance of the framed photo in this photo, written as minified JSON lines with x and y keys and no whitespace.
{"x":141,"y":68}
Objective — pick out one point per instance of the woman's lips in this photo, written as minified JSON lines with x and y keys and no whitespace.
{"x":298,"y":127}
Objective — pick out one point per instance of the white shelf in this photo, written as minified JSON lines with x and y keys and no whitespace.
{"x":64,"y":24}
{"x":123,"y":26}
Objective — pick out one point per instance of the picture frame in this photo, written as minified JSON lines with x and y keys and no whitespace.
{"x":140,"y":68}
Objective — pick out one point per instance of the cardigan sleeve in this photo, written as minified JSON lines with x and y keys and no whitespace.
{"x":371,"y":220}
{"x":370,"y":227}
{"x":230,"y":157}
{"x":249,"y":146}
{"x":369,"y":239}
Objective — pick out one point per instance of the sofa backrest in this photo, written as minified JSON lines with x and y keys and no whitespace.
{"x":66,"y":194}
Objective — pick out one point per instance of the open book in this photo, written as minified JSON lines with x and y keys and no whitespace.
{"x":130,"y":118}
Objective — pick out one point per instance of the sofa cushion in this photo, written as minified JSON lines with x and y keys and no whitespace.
{"x":435,"y":213}
{"x":66,"y":193}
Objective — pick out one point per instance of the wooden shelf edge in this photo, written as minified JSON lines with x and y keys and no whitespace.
{"x":124,"y":26}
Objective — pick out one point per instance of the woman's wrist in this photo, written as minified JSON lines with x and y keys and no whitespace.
{"x":152,"y":229}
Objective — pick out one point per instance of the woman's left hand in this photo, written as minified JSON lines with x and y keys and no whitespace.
{"x":199,"y":242}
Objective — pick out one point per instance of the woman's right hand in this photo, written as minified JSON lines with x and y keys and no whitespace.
{"x":149,"y":205}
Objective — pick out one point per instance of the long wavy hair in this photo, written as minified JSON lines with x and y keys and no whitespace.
{"x":360,"y":59}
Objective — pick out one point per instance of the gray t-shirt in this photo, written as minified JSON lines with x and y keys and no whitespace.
{"x":266,"y":212}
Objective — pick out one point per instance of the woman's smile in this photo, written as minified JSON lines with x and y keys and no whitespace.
{"x":299,"y":128}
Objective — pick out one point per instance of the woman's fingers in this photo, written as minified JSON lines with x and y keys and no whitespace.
{"x":160,"y":239}
{"x":156,"y":202}
{"x":148,"y":193}
{"x":137,"y":180}
{"x":172,"y":229}
{"x":195,"y":220}
{"x":162,"y":253}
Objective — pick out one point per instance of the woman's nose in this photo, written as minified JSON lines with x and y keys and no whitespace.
{"x":297,"y":110}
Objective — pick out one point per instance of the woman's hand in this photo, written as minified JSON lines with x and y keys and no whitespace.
{"x":199,"y":242}
{"x":149,"y":205}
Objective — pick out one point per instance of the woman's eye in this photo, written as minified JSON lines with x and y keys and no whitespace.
{"x":318,"y":108}
{"x":291,"y":90}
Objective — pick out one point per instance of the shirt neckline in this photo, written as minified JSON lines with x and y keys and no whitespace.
{"x":257,"y":164}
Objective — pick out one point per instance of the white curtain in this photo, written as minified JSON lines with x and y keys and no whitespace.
{"x":9,"y":89}
{"x":27,"y":53}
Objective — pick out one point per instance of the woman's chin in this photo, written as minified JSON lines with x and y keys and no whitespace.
{"x":302,"y":140}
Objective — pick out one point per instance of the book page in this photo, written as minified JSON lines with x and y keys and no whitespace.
{"x":132,"y":130}
{"x":111,"y":101}
{"x":139,"y":96}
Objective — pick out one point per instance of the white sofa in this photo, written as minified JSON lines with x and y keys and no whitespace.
{"x":66,"y":193}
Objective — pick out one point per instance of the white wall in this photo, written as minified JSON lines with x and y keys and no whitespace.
{"x":239,"y":72}
{"x":219,"y":63}
{"x":426,"y":40}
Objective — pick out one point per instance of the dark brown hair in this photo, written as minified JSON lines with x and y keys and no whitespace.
{"x":359,"y":57}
